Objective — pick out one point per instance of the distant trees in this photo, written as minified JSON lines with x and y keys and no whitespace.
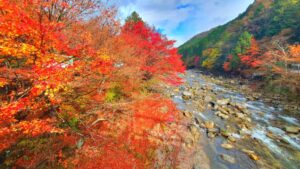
{"x":245,"y":55}
{"x":210,"y":57}
{"x":283,"y":62}
{"x":252,"y":57}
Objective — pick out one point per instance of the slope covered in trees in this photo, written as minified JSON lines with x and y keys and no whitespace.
{"x":78,"y":90}
{"x":247,"y":45}
{"x":264,"y":20}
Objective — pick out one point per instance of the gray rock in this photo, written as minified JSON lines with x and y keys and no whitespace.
{"x":228,"y":158}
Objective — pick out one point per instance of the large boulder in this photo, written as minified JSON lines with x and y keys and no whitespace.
{"x":292,"y":129}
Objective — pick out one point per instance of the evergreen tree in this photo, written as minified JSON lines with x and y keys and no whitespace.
{"x":134,"y":17}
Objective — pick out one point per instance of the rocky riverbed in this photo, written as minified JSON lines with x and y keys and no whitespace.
{"x":236,"y":128}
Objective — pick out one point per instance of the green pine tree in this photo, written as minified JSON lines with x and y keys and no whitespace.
{"x":134,"y":17}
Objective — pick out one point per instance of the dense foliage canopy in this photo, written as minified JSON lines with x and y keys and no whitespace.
{"x":78,"y":90}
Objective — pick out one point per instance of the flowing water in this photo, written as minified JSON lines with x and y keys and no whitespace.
{"x":266,"y":136}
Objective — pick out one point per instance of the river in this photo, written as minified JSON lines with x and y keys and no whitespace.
{"x":238,"y":132}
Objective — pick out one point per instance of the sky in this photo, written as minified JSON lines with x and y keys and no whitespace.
{"x":180,"y":20}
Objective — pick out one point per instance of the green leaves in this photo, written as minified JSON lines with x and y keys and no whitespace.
{"x":211,"y":55}
{"x":134,"y":18}
{"x":113,"y":94}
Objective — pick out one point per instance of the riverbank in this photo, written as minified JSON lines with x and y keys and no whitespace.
{"x":253,"y":89}
{"x":238,"y":128}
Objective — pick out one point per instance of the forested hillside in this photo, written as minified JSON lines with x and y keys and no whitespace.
{"x":261,"y":41}
{"x":265,"y":20}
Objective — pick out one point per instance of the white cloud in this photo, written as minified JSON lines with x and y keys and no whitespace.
{"x":182,"y":19}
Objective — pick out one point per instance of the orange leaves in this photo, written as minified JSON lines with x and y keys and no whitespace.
{"x":8,"y":112}
{"x":57,"y":73}
{"x":3,"y":82}
{"x":295,"y":50}
{"x":9,"y":135}
{"x":226,"y":66}
{"x":252,"y":57}
{"x":129,"y":139}
{"x":295,"y":53}
{"x":151,"y":111}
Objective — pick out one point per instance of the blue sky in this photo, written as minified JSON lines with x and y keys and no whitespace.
{"x":180,"y":20}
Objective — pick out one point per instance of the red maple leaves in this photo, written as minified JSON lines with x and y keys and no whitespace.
{"x":57,"y":80}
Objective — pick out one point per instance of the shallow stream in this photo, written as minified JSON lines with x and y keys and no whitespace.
{"x":274,"y":147}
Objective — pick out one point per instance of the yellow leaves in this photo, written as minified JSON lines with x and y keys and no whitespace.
{"x":3,"y":82}
{"x":104,"y":55}
{"x":211,"y":55}
{"x":8,"y":47}
{"x":51,"y":92}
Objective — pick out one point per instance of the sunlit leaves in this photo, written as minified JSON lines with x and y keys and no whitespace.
{"x":87,"y":81}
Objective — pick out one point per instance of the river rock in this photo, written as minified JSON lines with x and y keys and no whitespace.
{"x":211,"y":105}
{"x":223,"y":101}
{"x":209,"y":124}
{"x":250,"y":98}
{"x":225,"y":133}
{"x":187,"y":114}
{"x":213,"y":130}
{"x":176,"y":90}
{"x":186,"y":95}
{"x":248,"y":151}
{"x":194,"y":131}
{"x":248,"y":119}
{"x":188,"y":142}
{"x":240,"y":115}
{"x":227,"y":146}
{"x":251,"y":154}
{"x":228,"y":158}
{"x":257,"y":95}
{"x":211,"y":135}
{"x":223,"y":110}
{"x":220,"y":114}
{"x":292,"y":129}
{"x":253,"y":157}
{"x":208,"y":98}
{"x":231,"y":138}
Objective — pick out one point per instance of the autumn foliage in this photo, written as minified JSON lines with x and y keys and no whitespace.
{"x":82,"y":93}
{"x":282,"y":63}
{"x":246,"y":58}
